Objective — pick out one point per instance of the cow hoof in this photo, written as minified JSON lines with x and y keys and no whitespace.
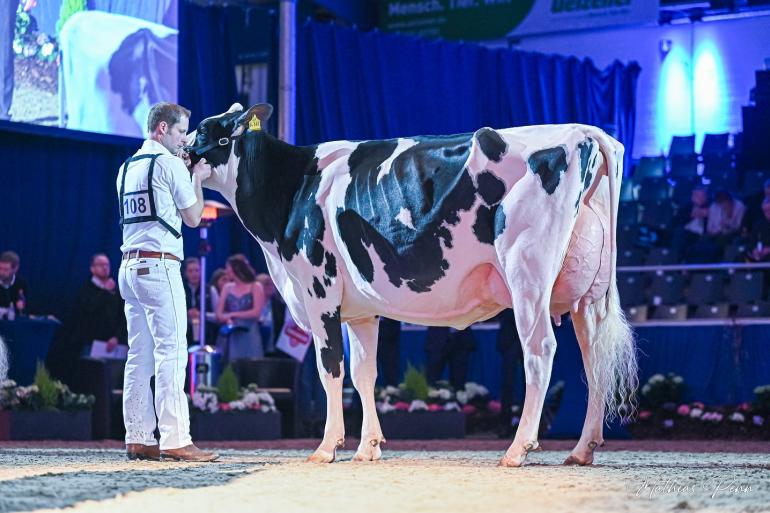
{"x":324,"y":456}
{"x":369,"y":451}
{"x":585,"y":459}
{"x":512,"y":459}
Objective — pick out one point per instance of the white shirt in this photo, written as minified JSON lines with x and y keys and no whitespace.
{"x":173,"y":191}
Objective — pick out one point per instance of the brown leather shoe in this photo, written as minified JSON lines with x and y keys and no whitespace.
{"x":188,"y":453}
{"x":143,"y":452}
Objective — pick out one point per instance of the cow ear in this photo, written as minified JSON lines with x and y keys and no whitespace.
{"x":254,"y":119}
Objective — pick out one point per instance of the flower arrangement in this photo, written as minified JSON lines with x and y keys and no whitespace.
{"x":44,"y":394}
{"x":663,"y":414}
{"x":29,"y":43}
{"x":229,"y":396}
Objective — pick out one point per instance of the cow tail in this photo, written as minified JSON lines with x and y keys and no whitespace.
{"x":613,"y":348}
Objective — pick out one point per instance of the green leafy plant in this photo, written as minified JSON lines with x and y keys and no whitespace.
{"x":762,"y":399}
{"x":67,"y":10}
{"x":415,"y":383}
{"x":661,"y":391}
{"x":47,"y":387}
{"x":228,"y":388}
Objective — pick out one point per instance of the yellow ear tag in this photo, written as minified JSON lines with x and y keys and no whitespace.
{"x":255,"y":124}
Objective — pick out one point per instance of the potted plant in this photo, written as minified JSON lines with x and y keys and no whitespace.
{"x":45,"y":410}
{"x":414,"y":410}
{"x":229,"y":412}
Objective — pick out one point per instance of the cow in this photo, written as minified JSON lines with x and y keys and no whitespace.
{"x":3,"y":360}
{"x":437,"y":230}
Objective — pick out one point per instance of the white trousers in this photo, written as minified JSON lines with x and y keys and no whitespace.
{"x":157,"y":345}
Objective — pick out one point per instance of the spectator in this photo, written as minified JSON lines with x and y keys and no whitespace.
{"x":759,"y":236}
{"x":266,"y":315}
{"x":689,"y":239}
{"x":725,"y":217}
{"x":754,"y":206}
{"x":512,"y":390}
{"x":14,"y":291}
{"x":444,"y":346}
{"x":96,"y":315}
{"x":216,"y":283}
{"x":192,"y":291}
{"x":238,"y":309}
{"x":389,"y":351}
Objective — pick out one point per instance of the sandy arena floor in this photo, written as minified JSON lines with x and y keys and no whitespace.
{"x":627,"y":478}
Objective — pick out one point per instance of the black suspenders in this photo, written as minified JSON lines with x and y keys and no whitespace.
{"x":126,"y":200}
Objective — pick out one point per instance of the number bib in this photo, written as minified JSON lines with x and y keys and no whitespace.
{"x":139,"y":206}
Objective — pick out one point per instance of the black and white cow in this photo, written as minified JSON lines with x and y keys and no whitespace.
{"x":439,"y":230}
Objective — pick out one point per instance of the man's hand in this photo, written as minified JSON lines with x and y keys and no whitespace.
{"x":202,"y":169}
{"x":112,"y":344}
{"x":193,"y":313}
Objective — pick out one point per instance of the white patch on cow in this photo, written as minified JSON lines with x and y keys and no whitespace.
{"x":403,"y":145}
{"x":330,"y":152}
{"x":405,"y":217}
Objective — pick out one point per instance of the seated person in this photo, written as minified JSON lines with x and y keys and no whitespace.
{"x":13,"y":288}
{"x":690,"y":225}
{"x":97,"y":314}
{"x":725,"y":217}
{"x":754,"y":206}
{"x":759,"y":236}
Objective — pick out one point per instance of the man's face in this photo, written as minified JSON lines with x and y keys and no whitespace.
{"x":699,"y":197}
{"x":193,"y":273}
{"x":100,"y":268}
{"x":6,"y":271}
{"x":174,"y":137}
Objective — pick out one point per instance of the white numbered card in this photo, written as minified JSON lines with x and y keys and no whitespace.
{"x":136,"y":204}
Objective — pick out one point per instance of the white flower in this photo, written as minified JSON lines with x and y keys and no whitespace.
{"x":737,"y":417}
{"x":417,"y":405}
{"x":446,"y":394}
{"x":462,"y":397}
{"x":237,"y":405}
{"x":265,"y":408}
{"x":452,"y":406}
{"x":656,"y":378}
{"x":433,"y":393}
{"x":385,"y":407}
{"x":695,"y":413}
{"x":646,"y":389}
{"x":678,"y":380}
{"x":46,"y":50}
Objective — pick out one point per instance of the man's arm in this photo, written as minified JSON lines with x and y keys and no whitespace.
{"x":192,"y":215}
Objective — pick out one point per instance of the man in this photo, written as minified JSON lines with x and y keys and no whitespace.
{"x":97,"y":315}
{"x":156,"y":194}
{"x":511,"y":355}
{"x":13,"y":288}
{"x":192,"y":290}
{"x":445,"y":346}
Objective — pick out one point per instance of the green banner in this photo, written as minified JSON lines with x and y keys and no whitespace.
{"x":472,"y":20}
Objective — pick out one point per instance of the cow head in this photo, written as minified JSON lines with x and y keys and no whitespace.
{"x":214,"y":137}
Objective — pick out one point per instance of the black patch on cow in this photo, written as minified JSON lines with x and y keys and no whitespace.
{"x":331,"y":266}
{"x":499,"y":222}
{"x":549,"y":164}
{"x":484,"y":227}
{"x":492,"y":145}
{"x":327,"y":281}
{"x":429,"y":180}
{"x":319,"y":290}
{"x":585,"y":148}
{"x":331,"y":355}
{"x":491,"y":188}
{"x":277,"y":184}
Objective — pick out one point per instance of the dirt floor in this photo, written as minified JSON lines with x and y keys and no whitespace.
{"x":414,"y":477}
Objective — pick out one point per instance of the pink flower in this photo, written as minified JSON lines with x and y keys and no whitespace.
{"x":494,"y":406}
{"x":645,"y":414}
{"x":435,"y":407}
{"x":224,"y":406}
{"x":402,"y":406}
{"x":744,"y":406}
{"x":698,"y":405}
{"x":469,"y":409}
{"x":683,"y":410}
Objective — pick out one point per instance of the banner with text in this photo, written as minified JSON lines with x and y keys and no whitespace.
{"x":479,"y":20}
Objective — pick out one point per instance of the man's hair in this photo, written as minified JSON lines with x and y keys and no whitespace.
{"x":95,"y":256}
{"x":190,"y":260}
{"x":171,"y":113}
{"x":10,"y":257}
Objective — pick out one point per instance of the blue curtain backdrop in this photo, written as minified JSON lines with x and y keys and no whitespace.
{"x":373,"y":85}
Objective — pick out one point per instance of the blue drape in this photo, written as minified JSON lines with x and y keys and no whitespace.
{"x":355,"y":85}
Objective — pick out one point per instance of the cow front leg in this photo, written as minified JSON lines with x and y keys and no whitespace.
{"x":327,"y":337}
{"x":363,"y":367}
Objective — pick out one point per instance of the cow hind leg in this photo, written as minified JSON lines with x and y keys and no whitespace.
{"x":363,"y":367}
{"x":530,"y":296}
{"x":327,"y":338}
